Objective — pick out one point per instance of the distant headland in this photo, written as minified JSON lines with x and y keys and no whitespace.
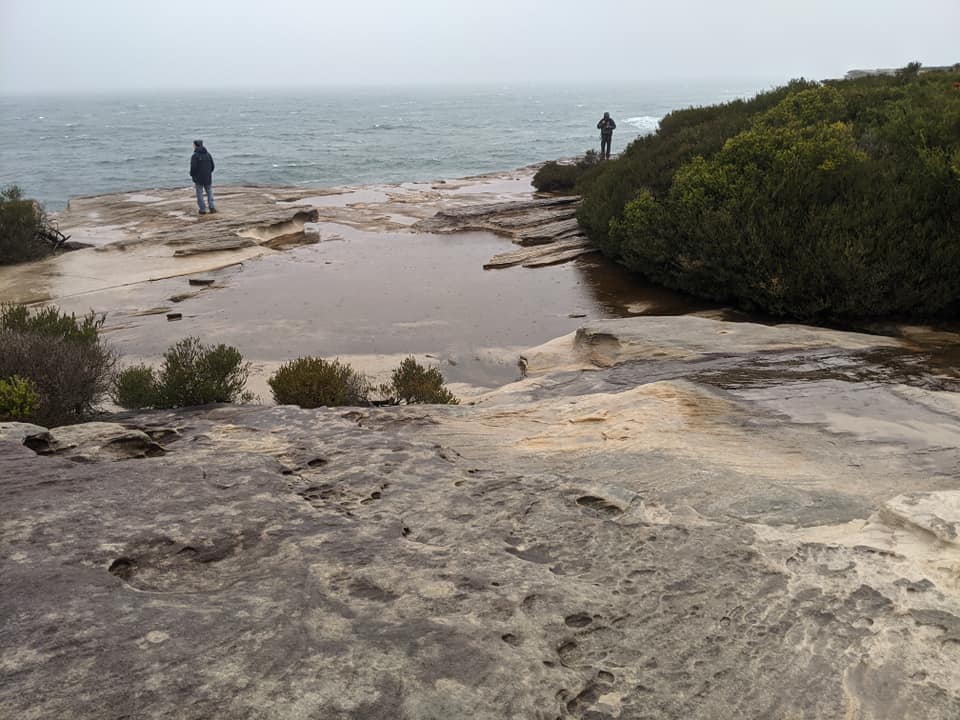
{"x":854,"y":74}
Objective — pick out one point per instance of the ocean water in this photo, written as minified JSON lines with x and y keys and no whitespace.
{"x":57,"y":147}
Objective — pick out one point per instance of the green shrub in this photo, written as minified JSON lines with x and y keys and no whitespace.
{"x":197,"y":374}
{"x":18,"y":398}
{"x":555,"y":177}
{"x":51,"y":322}
{"x":21,"y":224}
{"x":136,"y":388}
{"x":191,"y":374}
{"x":651,"y":161}
{"x":839,"y":200}
{"x":563,"y":177}
{"x":413,"y":383}
{"x":312,"y":382}
{"x":65,"y":359}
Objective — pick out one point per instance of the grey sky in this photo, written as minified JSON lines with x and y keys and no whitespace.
{"x":79,"y":45}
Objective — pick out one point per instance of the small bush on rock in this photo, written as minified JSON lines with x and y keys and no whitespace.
{"x":22,"y":223}
{"x":63,"y":357}
{"x":563,"y":177}
{"x":136,"y":388}
{"x":312,"y":382}
{"x":18,"y":398}
{"x":413,"y":383}
{"x":554,"y":177}
{"x":191,"y":374}
{"x":196,"y":374}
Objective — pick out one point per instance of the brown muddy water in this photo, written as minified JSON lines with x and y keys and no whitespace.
{"x":367,"y":295}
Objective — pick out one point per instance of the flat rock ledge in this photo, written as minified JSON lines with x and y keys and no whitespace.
{"x":651,"y":524}
{"x":546,"y":227}
{"x":142,"y":236}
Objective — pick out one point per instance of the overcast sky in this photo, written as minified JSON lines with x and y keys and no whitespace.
{"x":80,"y":45}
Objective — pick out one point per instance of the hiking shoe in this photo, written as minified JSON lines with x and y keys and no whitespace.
{"x":213,"y":209}
{"x":202,"y":212}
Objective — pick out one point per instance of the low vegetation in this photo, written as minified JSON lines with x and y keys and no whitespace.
{"x":24,"y":231}
{"x":563,"y":177}
{"x":412,"y":383}
{"x":55,"y":369}
{"x":56,"y":364}
{"x":136,"y":388}
{"x":191,"y":374}
{"x":834,"y":200}
{"x":312,"y":382}
{"x":18,"y":398}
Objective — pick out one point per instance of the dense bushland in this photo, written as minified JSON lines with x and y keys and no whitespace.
{"x":56,"y":367}
{"x":834,"y":200}
{"x":22,"y":227}
{"x":191,"y":374}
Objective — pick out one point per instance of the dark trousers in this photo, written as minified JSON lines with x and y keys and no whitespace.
{"x":605,"y":140}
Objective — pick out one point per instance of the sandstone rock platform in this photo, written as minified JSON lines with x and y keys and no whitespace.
{"x":687,"y":520}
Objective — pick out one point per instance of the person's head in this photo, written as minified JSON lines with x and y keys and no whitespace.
{"x":197,"y":144}
{"x":606,"y":116}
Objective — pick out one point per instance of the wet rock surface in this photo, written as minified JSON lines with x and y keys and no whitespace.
{"x":364,"y":282}
{"x":130,"y":238}
{"x":254,"y":219}
{"x":547,"y":227}
{"x":649,"y":525}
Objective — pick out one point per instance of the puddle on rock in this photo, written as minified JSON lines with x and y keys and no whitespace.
{"x":382,"y":294}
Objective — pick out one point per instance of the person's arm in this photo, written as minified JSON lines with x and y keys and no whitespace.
{"x":212,"y":165}
{"x":613,"y":125}
{"x":193,"y":167}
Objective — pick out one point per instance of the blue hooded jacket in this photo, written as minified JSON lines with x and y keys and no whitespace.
{"x":201,"y":166}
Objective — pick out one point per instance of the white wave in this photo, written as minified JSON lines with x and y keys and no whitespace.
{"x":646,"y":124}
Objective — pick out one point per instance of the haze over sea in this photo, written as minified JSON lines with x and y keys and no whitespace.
{"x":59,"y":146}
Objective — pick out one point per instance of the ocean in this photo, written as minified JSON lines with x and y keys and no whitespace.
{"x":57,"y":147}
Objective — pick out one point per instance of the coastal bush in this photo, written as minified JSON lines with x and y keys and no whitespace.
{"x":563,"y":177}
{"x":18,"y":398}
{"x":196,"y":374}
{"x":136,"y":388}
{"x":312,"y":382}
{"x":651,"y":161}
{"x":835,"y":200}
{"x":191,"y":374}
{"x":67,"y":363}
{"x":22,"y":223}
{"x":51,"y":322}
{"x":556,"y":177}
{"x":412,"y":383}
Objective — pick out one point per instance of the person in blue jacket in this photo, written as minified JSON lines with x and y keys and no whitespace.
{"x":201,"y":172}
{"x":606,"y":126}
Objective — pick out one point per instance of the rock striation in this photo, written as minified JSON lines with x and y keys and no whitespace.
{"x":547,"y":227}
{"x":683,"y":519}
{"x":135,"y":238}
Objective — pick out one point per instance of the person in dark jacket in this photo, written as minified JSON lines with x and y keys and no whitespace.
{"x":606,"y":126}
{"x":201,"y":172}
